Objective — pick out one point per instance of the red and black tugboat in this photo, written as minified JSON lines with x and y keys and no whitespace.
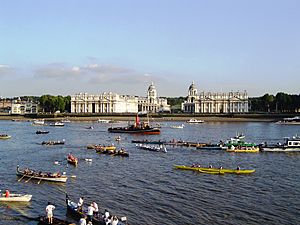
{"x":137,"y":128}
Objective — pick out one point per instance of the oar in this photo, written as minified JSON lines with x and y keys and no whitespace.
{"x":21,"y":177}
{"x":39,"y":181}
{"x":29,"y":179}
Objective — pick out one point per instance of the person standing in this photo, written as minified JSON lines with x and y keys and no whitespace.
{"x":49,"y":210}
{"x":90,"y":212}
{"x":82,"y":221}
{"x":80,"y":204}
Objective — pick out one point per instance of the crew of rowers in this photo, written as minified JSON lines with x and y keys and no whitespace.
{"x":93,"y":212}
{"x":210,"y":166}
{"x":30,"y":172}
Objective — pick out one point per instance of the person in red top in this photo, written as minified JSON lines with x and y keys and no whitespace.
{"x":7,"y":193}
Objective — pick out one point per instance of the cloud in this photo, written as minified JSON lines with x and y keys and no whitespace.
{"x":57,"y":70}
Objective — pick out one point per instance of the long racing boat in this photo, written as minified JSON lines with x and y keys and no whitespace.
{"x":195,"y":168}
{"x":31,"y":174}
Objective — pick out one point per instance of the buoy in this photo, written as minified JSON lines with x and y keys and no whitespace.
{"x":56,"y":162}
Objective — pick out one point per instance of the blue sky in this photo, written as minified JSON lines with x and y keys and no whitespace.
{"x":71,"y":46}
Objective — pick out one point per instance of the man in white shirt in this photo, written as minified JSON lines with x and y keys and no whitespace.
{"x":96,"y":209}
{"x":80,"y":204}
{"x":90,"y":212}
{"x":49,"y":210}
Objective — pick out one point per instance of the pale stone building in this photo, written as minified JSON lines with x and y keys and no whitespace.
{"x":231,"y":102}
{"x":115,"y":103}
{"x":23,"y":107}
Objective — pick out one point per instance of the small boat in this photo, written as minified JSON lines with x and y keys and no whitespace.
{"x":177,"y":126}
{"x":90,"y":128}
{"x":118,"y":138}
{"x":289,"y":145}
{"x":66,"y":121}
{"x":153,"y":148}
{"x":137,"y":128}
{"x":57,"y":124}
{"x":54,"y":142}
{"x":72,"y":209}
{"x":103,"y":121}
{"x":15,"y":198}
{"x":72,"y":159}
{"x":4,"y":136}
{"x":88,"y":160}
{"x":195,"y":121}
{"x":206,"y":169}
{"x":290,"y":121}
{"x":159,"y":142}
{"x":101,"y":148}
{"x":212,"y":147}
{"x":42,"y":132}
{"x":243,"y":149}
{"x":43,"y":220}
{"x":38,"y":122}
{"x":45,"y":176}
{"x":121,"y":152}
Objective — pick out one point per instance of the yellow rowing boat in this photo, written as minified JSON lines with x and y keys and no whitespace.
{"x":214,"y":170}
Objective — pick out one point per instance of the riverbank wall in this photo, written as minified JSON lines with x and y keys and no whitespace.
{"x":251,"y":117}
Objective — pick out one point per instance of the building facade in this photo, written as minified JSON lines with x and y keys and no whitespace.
{"x":231,"y":102}
{"x":115,"y":103}
{"x":23,"y":107}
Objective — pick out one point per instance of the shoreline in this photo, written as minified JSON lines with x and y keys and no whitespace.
{"x":160,"y":118}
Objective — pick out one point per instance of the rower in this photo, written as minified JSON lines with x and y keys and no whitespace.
{"x":7,"y":193}
{"x":238,"y":168}
{"x":80,"y":204}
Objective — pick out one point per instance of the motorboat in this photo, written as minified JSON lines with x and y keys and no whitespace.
{"x":38,"y":122}
{"x":103,"y":121}
{"x":57,"y":124}
{"x":194,"y":121}
{"x":177,"y":126}
{"x":290,"y":121}
{"x":289,"y":145}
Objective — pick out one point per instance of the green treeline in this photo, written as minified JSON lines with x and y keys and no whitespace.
{"x":281,"y":102}
{"x":51,"y":104}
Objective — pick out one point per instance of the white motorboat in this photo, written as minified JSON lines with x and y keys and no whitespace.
{"x":289,"y":145}
{"x":103,"y":121}
{"x":177,"y":126}
{"x":15,"y":198}
{"x":57,"y":124}
{"x":195,"y":121}
{"x":290,"y":121}
{"x":38,"y":122}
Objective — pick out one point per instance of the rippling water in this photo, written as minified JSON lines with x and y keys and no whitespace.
{"x":145,"y":187}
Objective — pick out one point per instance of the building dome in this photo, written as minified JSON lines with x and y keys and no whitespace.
{"x":151,"y":87}
{"x":192,"y":86}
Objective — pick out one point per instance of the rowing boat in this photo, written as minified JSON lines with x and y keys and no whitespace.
{"x":4,"y":136}
{"x":244,"y":150}
{"x":72,"y":159}
{"x":15,"y":198}
{"x":55,"y":177}
{"x":233,"y":171}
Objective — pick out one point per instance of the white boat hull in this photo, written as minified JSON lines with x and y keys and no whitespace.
{"x":277,"y":149}
{"x":15,"y":198}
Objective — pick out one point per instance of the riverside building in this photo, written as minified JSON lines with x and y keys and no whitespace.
{"x":109,"y":102}
{"x":231,"y":102}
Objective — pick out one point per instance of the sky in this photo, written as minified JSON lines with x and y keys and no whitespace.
{"x":64,"y":47}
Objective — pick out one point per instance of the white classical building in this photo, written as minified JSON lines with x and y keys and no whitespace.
{"x":231,"y":102}
{"x":23,"y":107}
{"x":109,"y":102}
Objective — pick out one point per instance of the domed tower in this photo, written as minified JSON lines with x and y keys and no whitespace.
{"x":152,"y":94}
{"x":192,"y":89}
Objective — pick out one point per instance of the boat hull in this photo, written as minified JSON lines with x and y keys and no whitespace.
{"x":256,"y":150}
{"x":182,"y":167}
{"x":135,"y":131}
{"x":15,"y":198}
{"x":61,"y":179}
{"x":283,"y":149}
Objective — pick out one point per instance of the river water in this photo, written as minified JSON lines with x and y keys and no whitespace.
{"x":144,"y":187}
